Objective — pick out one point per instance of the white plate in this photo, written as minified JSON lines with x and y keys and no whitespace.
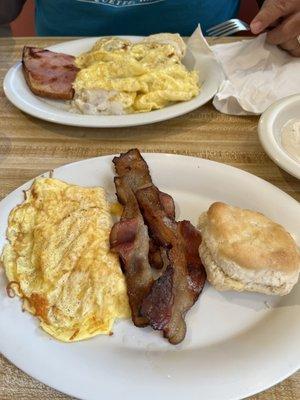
{"x":236,"y":344}
{"x":19,"y":94}
{"x":270,"y":130}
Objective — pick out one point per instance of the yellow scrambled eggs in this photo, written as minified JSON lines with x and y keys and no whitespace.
{"x":142,"y":77}
{"x":58,"y":260}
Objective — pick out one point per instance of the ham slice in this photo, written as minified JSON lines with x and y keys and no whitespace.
{"x":49,"y":74}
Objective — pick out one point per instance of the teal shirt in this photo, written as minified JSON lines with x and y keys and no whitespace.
{"x":129,"y":17}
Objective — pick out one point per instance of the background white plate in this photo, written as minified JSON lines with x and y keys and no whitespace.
{"x":270,"y":130}
{"x":236,"y":344}
{"x":19,"y":94}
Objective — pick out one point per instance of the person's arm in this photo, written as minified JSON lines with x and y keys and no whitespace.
{"x":9,"y":10}
{"x":285,"y":14}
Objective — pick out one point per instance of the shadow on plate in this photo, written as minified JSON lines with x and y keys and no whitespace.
{"x":258,"y":301}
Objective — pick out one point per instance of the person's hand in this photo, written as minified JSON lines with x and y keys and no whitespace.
{"x":285,"y":15}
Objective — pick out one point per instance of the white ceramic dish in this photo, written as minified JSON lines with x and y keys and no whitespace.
{"x":236,"y":344}
{"x":19,"y":94}
{"x":270,"y":130}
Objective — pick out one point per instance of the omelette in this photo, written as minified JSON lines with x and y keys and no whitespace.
{"x":58,"y":260}
{"x":120,"y":77}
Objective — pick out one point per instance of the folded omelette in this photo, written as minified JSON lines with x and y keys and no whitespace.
{"x":58,"y":260}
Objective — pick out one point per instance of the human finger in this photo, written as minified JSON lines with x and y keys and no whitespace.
{"x":292,"y":44}
{"x":286,"y":31}
{"x":270,"y":12}
{"x":295,"y":52}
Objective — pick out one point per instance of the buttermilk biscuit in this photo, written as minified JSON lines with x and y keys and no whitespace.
{"x":244,"y":250}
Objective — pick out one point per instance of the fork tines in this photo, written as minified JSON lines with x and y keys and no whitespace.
{"x":228,"y":28}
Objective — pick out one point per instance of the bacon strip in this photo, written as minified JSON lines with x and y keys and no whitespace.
{"x":182,"y":286}
{"x":157,"y":306}
{"x":163,"y":272}
{"x":132,"y":168}
{"x":129,"y":239}
{"x":191,"y":239}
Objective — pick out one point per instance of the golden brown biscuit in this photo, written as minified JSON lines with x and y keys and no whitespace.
{"x":244,"y":250}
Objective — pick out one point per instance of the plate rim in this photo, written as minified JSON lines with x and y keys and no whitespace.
{"x":163,"y":154}
{"x":268,"y":141}
{"x":139,"y":119}
{"x":260,"y":387}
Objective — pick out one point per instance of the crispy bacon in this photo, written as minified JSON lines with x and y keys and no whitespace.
{"x":134,"y":169}
{"x":157,"y":306}
{"x":164,"y":273}
{"x":186,"y":281}
{"x":191,"y":239}
{"x":155,"y":255}
{"x":167,"y":203}
{"x":129,"y":239}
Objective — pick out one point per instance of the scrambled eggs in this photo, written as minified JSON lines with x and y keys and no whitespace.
{"x":58,"y":260}
{"x":118,"y":77}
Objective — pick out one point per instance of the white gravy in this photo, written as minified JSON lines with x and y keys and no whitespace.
{"x":290,"y":138}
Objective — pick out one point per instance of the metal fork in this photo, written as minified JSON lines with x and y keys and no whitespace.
{"x":228,"y":28}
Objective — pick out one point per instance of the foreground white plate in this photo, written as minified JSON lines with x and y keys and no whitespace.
{"x":270,"y":130}
{"x":19,"y":94}
{"x":236,"y":345}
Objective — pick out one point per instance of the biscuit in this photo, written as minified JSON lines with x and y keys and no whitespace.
{"x":244,"y":250}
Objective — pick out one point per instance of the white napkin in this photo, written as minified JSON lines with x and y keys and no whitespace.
{"x":256,"y":74}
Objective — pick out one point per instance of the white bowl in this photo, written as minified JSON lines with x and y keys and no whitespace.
{"x":270,"y":130}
